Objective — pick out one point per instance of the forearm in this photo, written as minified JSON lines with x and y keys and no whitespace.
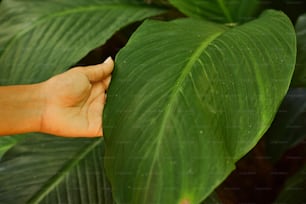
{"x":21,"y":108}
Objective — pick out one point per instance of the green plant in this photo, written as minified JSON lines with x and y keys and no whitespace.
{"x":189,"y":97}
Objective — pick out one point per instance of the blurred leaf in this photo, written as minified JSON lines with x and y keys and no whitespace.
{"x":299,"y":77}
{"x":289,"y":126}
{"x":47,"y":169}
{"x":294,"y":189}
{"x":37,"y":40}
{"x":6,"y":142}
{"x":225,"y":11}
{"x":41,"y":38}
{"x":188,"y":99}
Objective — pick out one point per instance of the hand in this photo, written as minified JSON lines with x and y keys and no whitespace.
{"x":74,"y":101}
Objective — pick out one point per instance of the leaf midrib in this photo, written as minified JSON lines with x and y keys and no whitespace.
{"x":186,"y":70}
{"x":74,"y":10}
{"x":54,"y":181}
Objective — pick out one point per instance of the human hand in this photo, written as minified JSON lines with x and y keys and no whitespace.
{"x":74,"y":101}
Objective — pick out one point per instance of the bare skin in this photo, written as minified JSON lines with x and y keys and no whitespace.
{"x":69,"y":104}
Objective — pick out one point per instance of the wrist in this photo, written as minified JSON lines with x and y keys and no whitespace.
{"x":40,"y":98}
{"x":34,"y":105}
{"x":24,"y":106}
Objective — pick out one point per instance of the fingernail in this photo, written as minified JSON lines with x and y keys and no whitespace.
{"x":108,"y":60}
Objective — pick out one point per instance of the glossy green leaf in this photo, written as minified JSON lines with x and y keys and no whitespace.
{"x":41,"y":38}
{"x":299,"y":77}
{"x":289,"y":125}
{"x":46,"y":169}
{"x":225,"y":11}
{"x":188,"y":99}
{"x":294,"y":189}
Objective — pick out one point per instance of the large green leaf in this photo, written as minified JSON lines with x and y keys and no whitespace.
{"x":299,"y":78}
{"x":41,"y":38}
{"x":188,"y":99}
{"x":46,"y":169}
{"x":227,"y":11}
{"x":294,"y":189}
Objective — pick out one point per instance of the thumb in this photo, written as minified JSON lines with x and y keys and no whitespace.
{"x":99,"y":72}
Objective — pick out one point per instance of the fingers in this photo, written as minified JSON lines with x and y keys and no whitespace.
{"x":106,"y":82}
{"x":99,"y":72}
